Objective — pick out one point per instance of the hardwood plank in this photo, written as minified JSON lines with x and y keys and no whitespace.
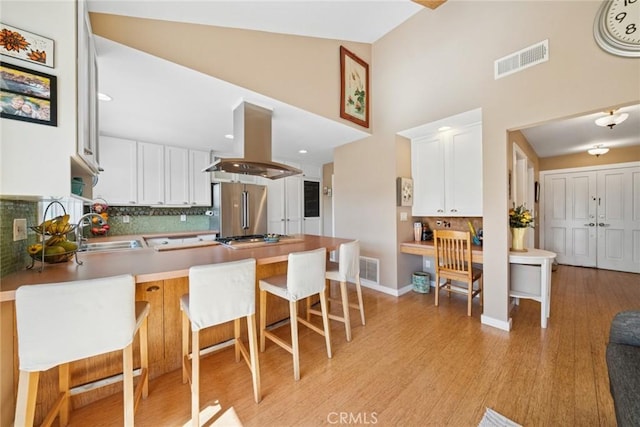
{"x":416,"y":364}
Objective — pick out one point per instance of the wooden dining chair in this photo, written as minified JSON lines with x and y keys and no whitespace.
{"x":453,"y":263}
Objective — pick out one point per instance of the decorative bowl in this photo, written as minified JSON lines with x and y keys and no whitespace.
{"x":272,"y":239}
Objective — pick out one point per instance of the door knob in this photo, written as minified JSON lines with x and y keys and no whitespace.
{"x":591,"y":224}
{"x":602,"y":224}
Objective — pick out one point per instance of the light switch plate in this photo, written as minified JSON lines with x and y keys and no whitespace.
{"x":19,"y":229}
{"x":183,"y":218}
{"x":403,"y":216}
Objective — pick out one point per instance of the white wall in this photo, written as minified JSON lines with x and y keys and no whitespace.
{"x":34,"y":158}
{"x":440,"y":63}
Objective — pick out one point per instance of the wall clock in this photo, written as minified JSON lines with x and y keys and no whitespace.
{"x":617,"y":27}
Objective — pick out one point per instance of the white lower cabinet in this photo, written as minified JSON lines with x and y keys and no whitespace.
{"x":447,"y":173}
{"x":284,"y":205}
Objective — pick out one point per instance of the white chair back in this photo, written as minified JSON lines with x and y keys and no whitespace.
{"x":349,"y":261}
{"x":222,"y":292}
{"x":62,"y":322}
{"x":305,"y":273}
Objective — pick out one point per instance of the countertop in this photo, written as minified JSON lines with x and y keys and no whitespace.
{"x":426,"y":248}
{"x":147,"y":264}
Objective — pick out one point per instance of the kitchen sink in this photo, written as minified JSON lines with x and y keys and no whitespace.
{"x":111,"y":245}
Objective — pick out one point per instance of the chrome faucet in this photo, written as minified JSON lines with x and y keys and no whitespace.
{"x":80,"y":227}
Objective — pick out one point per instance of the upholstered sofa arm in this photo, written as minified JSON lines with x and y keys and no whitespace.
{"x":625,"y":328}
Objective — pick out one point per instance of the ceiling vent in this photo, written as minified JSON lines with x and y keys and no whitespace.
{"x":525,"y":58}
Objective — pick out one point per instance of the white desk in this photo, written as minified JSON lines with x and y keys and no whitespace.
{"x":523,"y":286}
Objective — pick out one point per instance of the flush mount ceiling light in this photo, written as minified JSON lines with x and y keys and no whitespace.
{"x":611,"y":119}
{"x":598,"y":150}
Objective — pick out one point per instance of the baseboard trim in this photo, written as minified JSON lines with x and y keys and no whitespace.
{"x":500,"y":324}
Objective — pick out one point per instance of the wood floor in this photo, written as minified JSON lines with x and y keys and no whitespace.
{"x":414,"y":364}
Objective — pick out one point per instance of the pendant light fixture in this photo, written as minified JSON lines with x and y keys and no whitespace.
{"x":598,"y":150}
{"x":611,"y":119}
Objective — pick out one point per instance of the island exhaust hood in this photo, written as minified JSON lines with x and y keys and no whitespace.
{"x":252,"y":128}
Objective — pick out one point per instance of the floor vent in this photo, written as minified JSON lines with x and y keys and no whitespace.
{"x":525,"y":58}
{"x":370,"y":269}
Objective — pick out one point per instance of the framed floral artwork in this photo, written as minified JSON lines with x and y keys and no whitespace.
{"x":354,"y":88}
{"x":26,"y":46}
{"x":404,"y":191}
{"x":28,"y":95}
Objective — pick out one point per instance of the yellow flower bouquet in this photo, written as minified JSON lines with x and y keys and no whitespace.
{"x":520,"y":217}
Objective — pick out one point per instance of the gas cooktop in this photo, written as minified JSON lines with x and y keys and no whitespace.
{"x":246,"y":238}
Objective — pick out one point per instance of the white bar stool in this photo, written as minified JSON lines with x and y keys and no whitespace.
{"x":59,"y":323}
{"x":347,"y":270}
{"x":219,"y":293}
{"x":304,"y":278}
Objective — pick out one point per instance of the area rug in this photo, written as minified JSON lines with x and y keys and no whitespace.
{"x":493,"y":419}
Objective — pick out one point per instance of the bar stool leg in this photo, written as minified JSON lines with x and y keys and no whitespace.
{"x":236,"y":335}
{"x":127,"y":386}
{"x":185,"y":348}
{"x":144,"y":357}
{"x":63,"y":388}
{"x":195,"y":378}
{"x":26,"y":401}
{"x":324,"y":305}
{"x":263,"y":317}
{"x":360,"y":301}
{"x":345,"y":310}
{"x":253,"y":354}
{"x":293,"y":315}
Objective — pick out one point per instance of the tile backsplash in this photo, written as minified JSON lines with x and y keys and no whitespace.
{"x":141,"y":220}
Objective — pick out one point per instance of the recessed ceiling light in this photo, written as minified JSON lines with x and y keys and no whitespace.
{"x":228,"y":136}
{"x":104,"y":97}
{"x":443,"y":128}
{"x":302,"y":151}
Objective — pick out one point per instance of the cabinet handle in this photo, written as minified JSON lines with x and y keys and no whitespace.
{"x":602,"y":224}
{"x":591,"y":224}
{"x":161,"y":203}
{"x":440,"y":210}
{"x":454,"y":210}
{"x":153,"y":288}
{"x":88,"y":152}
{"x":133,"y":202}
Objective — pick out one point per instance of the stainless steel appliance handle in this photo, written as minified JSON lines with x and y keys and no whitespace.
{"x":245,"y":210}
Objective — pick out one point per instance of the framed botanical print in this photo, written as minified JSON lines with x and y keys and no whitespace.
{"x":354,"y":88}
{"x":404,"y":191}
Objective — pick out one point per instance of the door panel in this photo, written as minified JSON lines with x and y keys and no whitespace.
{"x":569,"y":206}
{"x":592,"y":218}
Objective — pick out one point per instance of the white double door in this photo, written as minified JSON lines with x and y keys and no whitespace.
{"x":592,"y":218}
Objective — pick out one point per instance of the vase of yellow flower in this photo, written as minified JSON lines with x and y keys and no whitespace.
{"x":520,"y":219}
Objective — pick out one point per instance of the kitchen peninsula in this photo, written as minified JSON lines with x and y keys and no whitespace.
{"x":161,"y":279}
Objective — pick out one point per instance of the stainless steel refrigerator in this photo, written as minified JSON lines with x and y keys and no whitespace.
{"x":239,"y":209}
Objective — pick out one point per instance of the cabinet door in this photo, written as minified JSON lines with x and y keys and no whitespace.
{"x":150,"y":174}
{"x":463,"y":180}
{"x":200,"y":182}
{"x":117,"y":184}
{"x":427,"y":170}
{"x":176,"y":173}
{"x":275,"y":206}
{"x":293,"y":204}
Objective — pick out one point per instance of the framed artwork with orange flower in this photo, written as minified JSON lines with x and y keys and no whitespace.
{"x":27,"y":46}
{"x":28,"y":95}
{"x":354,"y":88}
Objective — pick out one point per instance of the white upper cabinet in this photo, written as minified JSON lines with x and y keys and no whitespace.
{"x":199,"y":182}
{"x":447,"y":173}
{"x":151,"y":174}
{"x":176,"y":170}
{"x":117,"y":184}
